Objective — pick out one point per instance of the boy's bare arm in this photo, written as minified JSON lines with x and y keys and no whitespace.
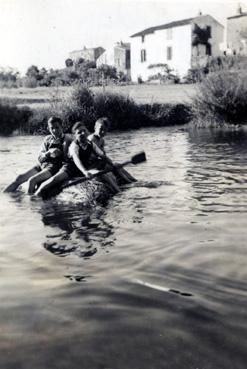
{"x":101,"y":153}
{"x":43,"y":152}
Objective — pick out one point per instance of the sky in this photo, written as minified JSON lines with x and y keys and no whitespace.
{"x":43,"y":32}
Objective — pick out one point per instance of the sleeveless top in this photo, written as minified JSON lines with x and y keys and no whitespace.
{"x":89,"y":156}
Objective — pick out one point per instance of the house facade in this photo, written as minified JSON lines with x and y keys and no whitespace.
{"x":237,"y":33}
{"x":181,"y":45}
{"x":118,"y":56}
{"x":122,"y":57}
{"x":89,"y":54}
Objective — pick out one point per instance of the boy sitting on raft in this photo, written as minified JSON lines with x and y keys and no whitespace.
{"x":100,"y":129}
{"x":85,"y":158}
{"x":51,"y":156}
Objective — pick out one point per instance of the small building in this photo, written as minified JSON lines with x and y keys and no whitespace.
{"x":117,"y":56}
{"x":107,"y":57}
{"x":89,"y":54}
{"x":237,"y":33}
{"x":180,"y":45}
{"x":122,"y":57}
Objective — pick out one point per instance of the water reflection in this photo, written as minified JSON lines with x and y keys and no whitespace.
{"x":83,"y":229}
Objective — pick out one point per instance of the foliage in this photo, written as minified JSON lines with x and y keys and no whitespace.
{"x":82,"y":104}
{"x":166,"y":114}
{"x":8,"y":78}
{"x":222,"y":97}
{"x":163,"y":73}
{"x":83,"y":71}
{"x":122,"y":111}
{"x":13,"y":118}
{"x":200,"y":35}
{"x":33,"y":72}
{"x":78,"y":104}
{"x":69,"y":63}
{"x":214,"y":64}
{"x":107,"y":71}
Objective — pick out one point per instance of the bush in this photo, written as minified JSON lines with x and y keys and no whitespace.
{"x":122,"y":111}
{"x":82,"y":105}
{"x":8,"y":78}
{"x":214,"y":64}
{"x":78,"y":104}
{"x":222,"y":97}
{"x":166,"y":114}
{"x":13,"y":118}
{"x":162,"y":73}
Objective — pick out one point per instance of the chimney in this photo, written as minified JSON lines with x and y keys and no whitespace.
{"x":239,"y":10}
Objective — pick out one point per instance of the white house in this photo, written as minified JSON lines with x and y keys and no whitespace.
{"x":107,"y":57}
{"x":117,"y":56}
{"x":181,"y":45}
{"x":237,"y":33}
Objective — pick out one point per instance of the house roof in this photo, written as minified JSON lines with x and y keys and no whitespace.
{"x":179,"y":23}
{"x":238,"y":16}
{"x":87,"y":49}
{"x":123,"y":45}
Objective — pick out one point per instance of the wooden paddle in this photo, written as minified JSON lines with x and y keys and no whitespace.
{"x":136,"y":159}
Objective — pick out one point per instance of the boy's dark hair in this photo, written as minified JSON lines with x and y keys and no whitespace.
{"x":103,"y":120}
{"x":78,"y":125}
{"x":54,"y":119}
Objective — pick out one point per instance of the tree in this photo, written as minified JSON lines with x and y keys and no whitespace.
{"x":69,"y":63}
{"x":33,"y":72}
{"x":9,"y":77}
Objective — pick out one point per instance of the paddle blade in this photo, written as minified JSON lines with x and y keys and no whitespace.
{"x":138,"y":158}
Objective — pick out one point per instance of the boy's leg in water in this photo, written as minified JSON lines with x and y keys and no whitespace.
{"x":127,"y":177}
{"x":38,"y":178}
{"x":12,"y":187}
{"x":55,"y":180}
{"x":111,"y":181}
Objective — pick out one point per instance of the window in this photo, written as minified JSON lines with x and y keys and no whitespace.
{"x":208,"y":49}
{"x":209,"y":31}
{"x":127,"y":59}
{"x":143,"y":55}
{"x":143,"y":38}
{"x":169,"y":53}
{"x":169,"y":34}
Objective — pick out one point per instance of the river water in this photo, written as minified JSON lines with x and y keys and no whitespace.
{"x":155,"y":279}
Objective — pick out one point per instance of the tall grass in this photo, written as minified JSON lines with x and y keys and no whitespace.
{"x":122,"y":111}
{"x":221,"y":98}
{"x":81,"y":104}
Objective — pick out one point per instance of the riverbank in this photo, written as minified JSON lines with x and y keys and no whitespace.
{"x":127,"y":107}
{"x":40,"y":97}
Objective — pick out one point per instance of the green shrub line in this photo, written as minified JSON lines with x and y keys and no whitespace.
{"x":81,"y":104}
{"x":221,"y":99}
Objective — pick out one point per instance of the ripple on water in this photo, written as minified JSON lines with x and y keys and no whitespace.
{"x":164,"y":262}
